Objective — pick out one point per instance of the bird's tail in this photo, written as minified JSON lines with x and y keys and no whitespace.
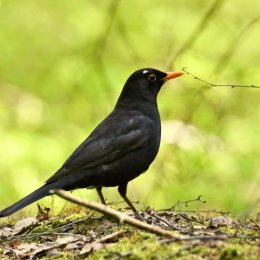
{"x":34,"y":196}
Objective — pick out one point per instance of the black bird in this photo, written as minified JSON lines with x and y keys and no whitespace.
{"x":119,"y":149}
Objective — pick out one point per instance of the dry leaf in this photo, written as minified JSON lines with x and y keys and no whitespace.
{"x":74,"y":245}
{"x":43,"y":214}
{"x":53,"y":252}
{"x":33,"y":250}
{"x":220,"y":221}
{"x":23,"y":225}
{"x":20,"y":251}
{"x":90,"y":247}
{"x":6,"y":232}
{"x":65,"y":240}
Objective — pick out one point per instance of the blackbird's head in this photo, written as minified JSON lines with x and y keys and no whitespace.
{"x":146,"y":84}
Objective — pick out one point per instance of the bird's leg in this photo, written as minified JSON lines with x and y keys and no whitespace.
{"x":100,"y":194}
{"x":122,"y":191}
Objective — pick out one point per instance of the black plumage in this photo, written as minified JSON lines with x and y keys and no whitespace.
{"x":119,"y":149}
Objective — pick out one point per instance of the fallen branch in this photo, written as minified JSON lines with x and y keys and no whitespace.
{"x":218,"y":85}
{"x":114,"y":213}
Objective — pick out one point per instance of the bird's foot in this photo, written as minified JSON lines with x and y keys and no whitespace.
{"x":139,"y":216}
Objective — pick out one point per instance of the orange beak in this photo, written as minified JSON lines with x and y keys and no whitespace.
{"x":172,"y":75}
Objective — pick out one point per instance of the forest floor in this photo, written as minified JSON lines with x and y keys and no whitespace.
{"x":79,"y":233}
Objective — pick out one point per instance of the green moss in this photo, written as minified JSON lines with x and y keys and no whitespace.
{"x":135,"y":244}
{"x":230,"y":254}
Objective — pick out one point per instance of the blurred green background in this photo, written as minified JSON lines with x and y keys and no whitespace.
{"x":63,"y":65}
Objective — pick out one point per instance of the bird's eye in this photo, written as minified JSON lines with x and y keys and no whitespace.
{"x":152,"y":77}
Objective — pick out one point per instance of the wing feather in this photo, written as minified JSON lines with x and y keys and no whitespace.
{"x":108,"y":142}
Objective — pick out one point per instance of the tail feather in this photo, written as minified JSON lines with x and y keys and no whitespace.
{"x":34,"y":196}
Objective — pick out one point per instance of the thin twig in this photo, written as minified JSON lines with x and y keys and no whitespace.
{"x":173,"y":226}
{"x":195,"y":34}
{"x":218,"y":85}
{"x":114,"y":213}
{"x":74,"y":222}
{"x":222,"y":63}
{"x":101,"y":46}
{"x":27,"y":235}
{"x":169,"y":224}
{"x":168,"y":210}
{"x":208,"y":237}
{"x":183,"y":215}
{"x":110,"y":236}
{"x":186,"y":203}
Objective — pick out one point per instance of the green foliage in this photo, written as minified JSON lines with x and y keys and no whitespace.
{"x":63,"y":64}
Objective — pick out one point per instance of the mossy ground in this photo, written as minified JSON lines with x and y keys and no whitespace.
{"x":88,"y":227}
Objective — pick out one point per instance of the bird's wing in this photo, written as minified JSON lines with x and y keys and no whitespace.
{"x":111,"y":140}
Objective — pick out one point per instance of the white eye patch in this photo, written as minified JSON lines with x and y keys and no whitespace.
{"x":145,"y":71}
